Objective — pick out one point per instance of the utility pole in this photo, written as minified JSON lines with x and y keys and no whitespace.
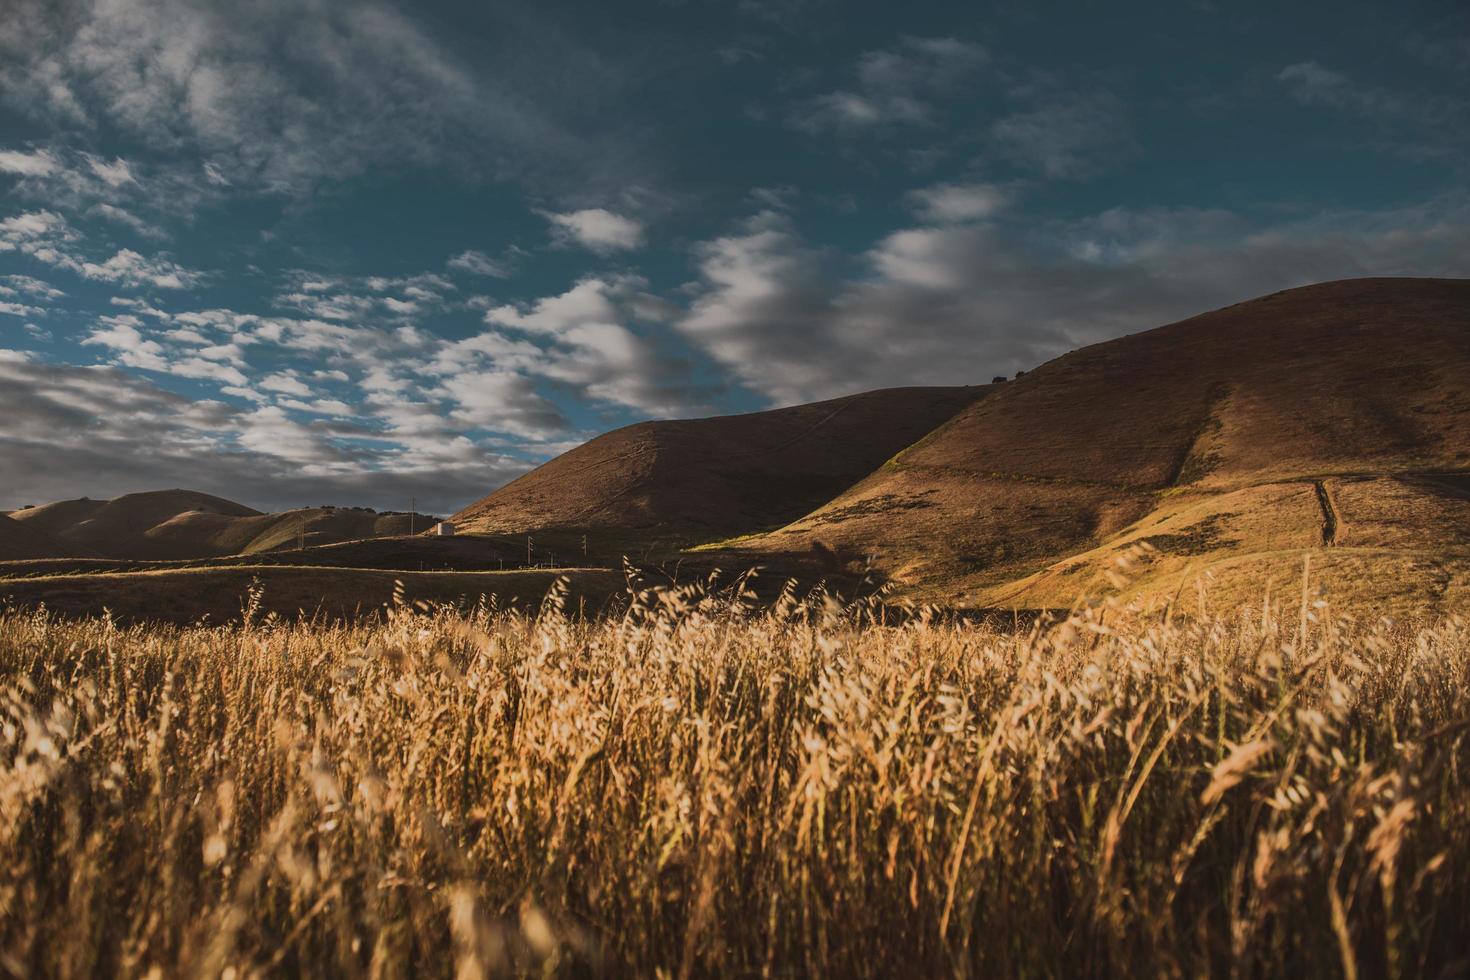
{"x":584,"y":547}
{"x":528,"y":551}
{"x":412,"y":503}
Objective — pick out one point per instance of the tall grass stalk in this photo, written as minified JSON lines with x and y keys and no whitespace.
{"x":697,"y":788}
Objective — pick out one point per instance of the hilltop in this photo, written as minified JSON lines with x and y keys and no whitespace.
{"x":1333,"y":418}
{"x":697,"y":480}
{"x":186,"y":524}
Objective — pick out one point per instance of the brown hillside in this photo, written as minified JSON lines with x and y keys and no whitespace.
{"x":19,"y":541}
{"x":119,"y":527}
{"x":707,"y":478}
{"x":198,"y":534}
{"x":1242,"y":432}
{"x":184,"y":524}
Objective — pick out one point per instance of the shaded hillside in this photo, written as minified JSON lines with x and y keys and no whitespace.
{"x":712,"y":477}
{"x":119,"y":527}
{"x":20,"y":541}
{"x":184,"y":524}
{"x":198,"y":534}
{"x":417,"y":552}
{"x":1215,"y":432}
{"x":221,"y":594}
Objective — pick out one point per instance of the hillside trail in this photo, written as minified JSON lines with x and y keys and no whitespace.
{"x":1329,"y":514}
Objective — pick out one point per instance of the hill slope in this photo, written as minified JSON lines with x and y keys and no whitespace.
{"x":119,"y":527}
{"x":18,"y":541}
{"x":1332,"y":415}
{"x":713,"y":477}
{"x":184,"y":524}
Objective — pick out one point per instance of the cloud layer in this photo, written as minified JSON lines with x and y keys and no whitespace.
{"x":307,"y":252}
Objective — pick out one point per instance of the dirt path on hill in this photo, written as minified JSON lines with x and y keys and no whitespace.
{"x":1329,"y":514}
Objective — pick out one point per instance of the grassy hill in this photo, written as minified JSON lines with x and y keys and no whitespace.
{"x":185,"y":524}
{"x":1334,"y":416}
{"x":19,"y":540}
{"x":683,"y":482}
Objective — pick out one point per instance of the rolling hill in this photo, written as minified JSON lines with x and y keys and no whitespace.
{"x":18,"y":540}
{"x":185,"y":524}
{"x":1333,"y":418}
{"x":697,"y":480}
{"x":1328,"y":424}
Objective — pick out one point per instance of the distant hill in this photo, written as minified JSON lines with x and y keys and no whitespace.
{"x":19,"y":541}
{"x":185,"y":524}
{"x":705,"y":478}
{"x":1333,"y":418}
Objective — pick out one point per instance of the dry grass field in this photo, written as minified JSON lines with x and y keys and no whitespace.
{"x":697,"y":787}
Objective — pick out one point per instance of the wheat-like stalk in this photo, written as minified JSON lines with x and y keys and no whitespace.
{"x":697,"y":787}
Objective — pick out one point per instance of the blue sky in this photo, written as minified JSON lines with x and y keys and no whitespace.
{"x":310,"y":252}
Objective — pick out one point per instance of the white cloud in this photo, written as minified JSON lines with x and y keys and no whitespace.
{"x":270,"y":431}
{"x":32,"y":286}
{"x":586,"y":302}
{"x":125,"y":217}
{"x":20,"y":310}
{"x":268,"y":96}
{"x":766,"y":308}
{"x":951,"y":203}
{"x":130,"y":268}
{"x":321,"y":406}
{"x":598,"y":229}
{"x":287,"y":383}
{"x":203,"y":369}
{"x":68,"y":430}
{"x":30,"y":226}
{"x":65,"y":179}
{"x":581,"y":340}
{"x":480,"y":264}
{"x":121,"y":334}
{"x":46,"y":236}
{"x":502,"y":401}
{"x":957,"y":303}
{"x":33,"y":163}
{"x":364,"y":298}
{"x":114,"y":174}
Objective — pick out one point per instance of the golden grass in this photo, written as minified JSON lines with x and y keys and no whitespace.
{"x":696,"y":788}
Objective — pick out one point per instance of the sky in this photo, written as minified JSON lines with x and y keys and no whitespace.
{"x":296,"y":252}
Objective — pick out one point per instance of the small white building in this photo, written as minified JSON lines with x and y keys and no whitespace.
{"x":443,"y":529}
